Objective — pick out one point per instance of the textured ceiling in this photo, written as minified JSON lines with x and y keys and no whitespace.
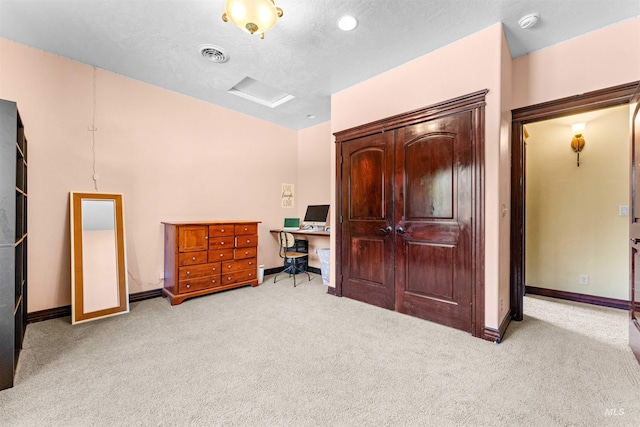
{"x":156,"y":41}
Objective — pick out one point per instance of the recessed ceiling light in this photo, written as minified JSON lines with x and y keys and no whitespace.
{"x":347,"y":23}
{"x":529,"y":20}
{"x":311,"y":116}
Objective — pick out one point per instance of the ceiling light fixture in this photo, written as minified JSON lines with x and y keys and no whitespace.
{"x":347,"y":23}
{"x":252,"y":16}
{"x":529,"y":20}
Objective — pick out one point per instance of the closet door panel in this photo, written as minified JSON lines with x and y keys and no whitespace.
{"x":433,"y":220}
{"x":367,"y":213}
{"x":431,"y":189}
{"x":634,"y":230}
{"x":430,"y":273}
{"x":366,"y":168}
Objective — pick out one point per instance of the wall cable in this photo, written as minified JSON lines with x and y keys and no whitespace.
{"x":93,"y":129}
{"x":141,"y":283}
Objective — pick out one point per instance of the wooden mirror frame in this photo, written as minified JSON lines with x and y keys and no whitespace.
{"x":78,"y":313}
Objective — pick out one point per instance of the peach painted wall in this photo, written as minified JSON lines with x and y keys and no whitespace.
{"x":314,"y":185}
{"x":468,"y":65}
{"x":597,"y":60}
{"x":504,"y":182}
{"x":172,"y":157}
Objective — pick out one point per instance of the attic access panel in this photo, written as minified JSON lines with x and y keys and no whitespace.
{"x":259,"y":92}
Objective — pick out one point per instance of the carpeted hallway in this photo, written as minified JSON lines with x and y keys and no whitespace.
{"x":275,"y":355}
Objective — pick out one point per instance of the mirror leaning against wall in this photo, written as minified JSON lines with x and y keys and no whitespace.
{"x":99,"y":286}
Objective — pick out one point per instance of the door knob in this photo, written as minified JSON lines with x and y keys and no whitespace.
{"x":635,"y":241}
{"x":387,"y":230}
{"x":400,"y":230}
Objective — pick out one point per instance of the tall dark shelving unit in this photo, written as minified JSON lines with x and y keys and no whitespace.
{"x":13,"y":240}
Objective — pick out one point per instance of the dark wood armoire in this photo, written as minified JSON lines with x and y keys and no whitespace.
{"x":410,"y":206}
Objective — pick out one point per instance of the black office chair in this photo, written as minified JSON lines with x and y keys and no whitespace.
{"x":291,"y":258}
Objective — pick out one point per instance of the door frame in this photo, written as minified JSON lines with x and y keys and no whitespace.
{"x":589,"y":101}
{"x":474,"y":103}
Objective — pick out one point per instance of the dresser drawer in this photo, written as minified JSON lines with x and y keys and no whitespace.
{"x":197,"y":284}
{"x":190,"y":258}
{"x":246,"y":241}
{"x":221,"y":242}
{"x":221,"y":230}
{"x":245,"y":253}
{"x":238,"y":276}
{"x":199,"y":270}
{"x":220,"y":255}
{"x":245,"y":229}
{"x":243,"y":264}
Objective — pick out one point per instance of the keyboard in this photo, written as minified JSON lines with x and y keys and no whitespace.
{"x":290,"y":228}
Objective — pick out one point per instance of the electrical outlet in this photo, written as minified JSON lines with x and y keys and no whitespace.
{"x":584,"y":279}
{"x":624,"y":210}
{"x":161,"y":275}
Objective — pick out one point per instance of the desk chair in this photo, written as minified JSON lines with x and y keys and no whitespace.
{"x":287,"y":241}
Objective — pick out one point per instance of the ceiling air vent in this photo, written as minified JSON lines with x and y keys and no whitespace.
{"x":213,"y":53}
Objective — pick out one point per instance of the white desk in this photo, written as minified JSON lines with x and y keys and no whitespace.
{"x":305,"y":232}
{"x":317,"y":239}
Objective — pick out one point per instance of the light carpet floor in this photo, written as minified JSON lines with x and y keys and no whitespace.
{"x":274,"y":355}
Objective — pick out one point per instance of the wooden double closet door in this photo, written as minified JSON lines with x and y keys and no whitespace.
{"x":409,"y":232}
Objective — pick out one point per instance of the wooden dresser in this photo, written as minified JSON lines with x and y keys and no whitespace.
{"x":205,"y":257}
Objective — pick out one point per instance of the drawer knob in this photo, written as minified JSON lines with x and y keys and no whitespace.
{"x":245,"y":229}
{"x":188,"y":286}
{"x":221,"y":255}
{"x":213,"y":281}
{"x":222,"y":231}
{"x":229,"y":266}
{"x":188,"y":272}
{"x":248,"y":240}
{"x":193,"y":259}
{"x":206,"y":237}
{"x":246,"y":252}
{"x":250,"y":263}
{"x":250,"y":274}
{"x":213,"y":268}
{"x":228,"y":278}
{"x":222,"y":243}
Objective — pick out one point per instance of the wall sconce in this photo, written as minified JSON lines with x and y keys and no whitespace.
{"x":577,"y":143}
{"x":252,"y":16}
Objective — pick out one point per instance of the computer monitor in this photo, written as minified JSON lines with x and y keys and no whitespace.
{"x":317,"y":216}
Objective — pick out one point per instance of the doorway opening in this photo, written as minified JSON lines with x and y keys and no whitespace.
{"x":577,"y":207}
{"x":528,"y":117}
